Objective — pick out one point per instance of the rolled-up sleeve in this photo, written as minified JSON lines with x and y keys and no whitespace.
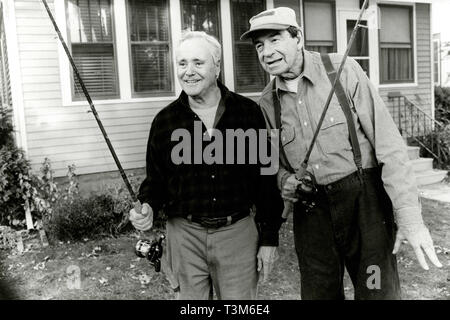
{"x":389,"y":147}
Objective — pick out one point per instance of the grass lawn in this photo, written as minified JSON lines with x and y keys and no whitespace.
{"x":110,"y":269}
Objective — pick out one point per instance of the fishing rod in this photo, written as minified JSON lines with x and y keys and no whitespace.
{"x":137,"y":204}
{"x":301,"y":172}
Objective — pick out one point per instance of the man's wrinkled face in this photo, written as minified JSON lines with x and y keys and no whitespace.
{"x":278,"y":53}
{"x":196,"y":70}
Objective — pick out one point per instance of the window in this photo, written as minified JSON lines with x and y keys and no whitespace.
{"x":360,"y":47}
{"x":202,"y":15}
{"x":436,"y":61}
{"x":5,"y":83}
{"x":396,"y":44}
{"x":90,"y":25}
{"x":150,"y":47}
{"x":248,"y":74}
{"x":320,"y":31}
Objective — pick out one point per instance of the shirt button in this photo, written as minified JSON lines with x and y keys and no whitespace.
{"x":332,"y":119}
{"x":213,"y":176}
{"x":284,"y":138}
{"x":305,"y":123}
{"x":299,"y":101}
{"x":316,"y":166}
{"x":214,"y":199}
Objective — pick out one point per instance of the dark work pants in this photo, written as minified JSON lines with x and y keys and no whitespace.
{"x":352,"y":225}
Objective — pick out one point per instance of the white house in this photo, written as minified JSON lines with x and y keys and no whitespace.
{"x":124,"y":50}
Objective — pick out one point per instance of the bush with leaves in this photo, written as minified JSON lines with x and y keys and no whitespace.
{"x":6,"y":126}
{"x":17,"y":188}
{"x":78,"y":218}
{"x":442,"y":104}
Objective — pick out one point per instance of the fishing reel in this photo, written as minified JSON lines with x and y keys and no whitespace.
{"x":151,"y":250}
{"x":307,"y":191}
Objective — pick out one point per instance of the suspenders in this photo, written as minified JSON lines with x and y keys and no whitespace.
{"x":345,"y":105}
{"x":277,"y":108}
{"x":343,"y":101}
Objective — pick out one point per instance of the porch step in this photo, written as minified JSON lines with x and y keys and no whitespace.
{"x":428,"y":177}
{"x":422,"y":164}
{"x":413,"y":152}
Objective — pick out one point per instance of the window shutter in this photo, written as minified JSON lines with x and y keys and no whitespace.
{"x":249,"y":75}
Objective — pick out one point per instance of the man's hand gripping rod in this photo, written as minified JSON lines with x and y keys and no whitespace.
{"x":137,"y":204}
{"x":301,"y":172}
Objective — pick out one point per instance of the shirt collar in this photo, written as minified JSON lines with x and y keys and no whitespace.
{"x":226,"y":101}
{"x":308,"y":73}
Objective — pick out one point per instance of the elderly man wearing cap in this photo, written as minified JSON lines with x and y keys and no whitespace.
{"x":359,"y":166}
{"x":212,"y":238}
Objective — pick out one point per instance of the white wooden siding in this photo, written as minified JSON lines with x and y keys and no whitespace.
{"x":69,"y":134}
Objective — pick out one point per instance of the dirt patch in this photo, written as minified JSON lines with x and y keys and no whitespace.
{"x":109,"y":269}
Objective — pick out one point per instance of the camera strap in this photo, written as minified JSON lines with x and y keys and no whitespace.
{"x":345,"y":105}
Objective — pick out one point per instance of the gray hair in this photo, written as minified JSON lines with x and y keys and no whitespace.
{"x":214,"y":46}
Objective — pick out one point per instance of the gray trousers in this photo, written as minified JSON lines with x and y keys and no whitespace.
{"x":202,"y":260}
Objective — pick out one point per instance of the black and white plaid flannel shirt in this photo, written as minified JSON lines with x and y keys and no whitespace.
{"x":215,"y":190}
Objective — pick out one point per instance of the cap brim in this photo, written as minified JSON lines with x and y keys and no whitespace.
{"x":272,"y":26}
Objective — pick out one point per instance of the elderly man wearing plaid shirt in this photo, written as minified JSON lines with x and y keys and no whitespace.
{"x":212,"y":238}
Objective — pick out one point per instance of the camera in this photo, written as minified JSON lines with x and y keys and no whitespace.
{"x":151,"y":250}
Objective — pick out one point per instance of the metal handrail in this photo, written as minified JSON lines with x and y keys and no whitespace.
{"x":416,"y":124}
{"x":412,"y":104}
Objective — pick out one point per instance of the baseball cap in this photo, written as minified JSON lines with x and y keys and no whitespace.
{"x":279,"y":18}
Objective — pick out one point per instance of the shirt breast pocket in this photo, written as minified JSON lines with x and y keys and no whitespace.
{"x":334,"y":135}
{"x":287,"y":135}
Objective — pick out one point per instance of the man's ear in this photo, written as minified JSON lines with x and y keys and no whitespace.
{"x":299,"y":39}
{"x":217,"y":69}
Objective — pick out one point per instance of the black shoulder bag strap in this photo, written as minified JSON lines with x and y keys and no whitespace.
{"x":277,"y":109}
{"x":345,"y":105}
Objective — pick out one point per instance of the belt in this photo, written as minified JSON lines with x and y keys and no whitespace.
{"x":218,"y":222}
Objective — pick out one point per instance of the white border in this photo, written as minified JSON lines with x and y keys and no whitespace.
{"x":15,"y":73}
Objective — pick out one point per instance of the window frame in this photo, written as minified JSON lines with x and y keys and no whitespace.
{"x":220,"y":37}
{"x":412,"y":25}
{"x":173,"y":79}
{"x":436,"y":61}
{"x":117,"y":95}
{"x":334,"y":13}
{"x":233,"y":50}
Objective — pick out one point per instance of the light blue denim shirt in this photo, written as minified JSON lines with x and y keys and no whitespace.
{"x":332,"y":157}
